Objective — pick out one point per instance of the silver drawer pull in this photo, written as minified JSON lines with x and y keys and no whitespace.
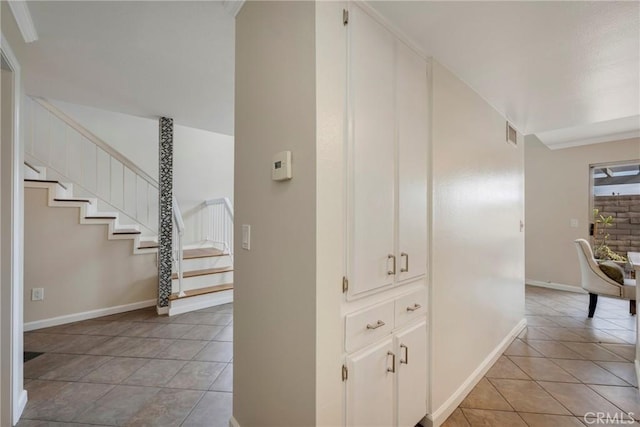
{"x":414,"y":308}
{"x":378,"y":324}
{"x":406,"y":354}
{"x":393,"y":362}
{"x":392,"y":258}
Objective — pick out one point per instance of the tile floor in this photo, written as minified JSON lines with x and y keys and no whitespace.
{"x":136,"y":369}
{"x":562,"y":370}
{"x":132,"y":369}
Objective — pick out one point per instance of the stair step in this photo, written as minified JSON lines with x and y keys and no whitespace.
{"x":204,"y":272}
{"x":101,"y":217}
{"x":48,"y":181}
{"x":73,"y":200}
{"x":148,"y":245}
{"x":201,"y":253}
{"x":202,"y":291}
{"x":127,"y":232}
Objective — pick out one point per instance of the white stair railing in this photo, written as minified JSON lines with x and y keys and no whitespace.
{"x":178,"y":249}
{"x":217,"y":223}
{"x":72,"y":153}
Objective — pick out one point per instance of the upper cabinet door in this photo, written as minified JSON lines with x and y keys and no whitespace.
{"x":371,"y":156}
{"x":412,"y":116}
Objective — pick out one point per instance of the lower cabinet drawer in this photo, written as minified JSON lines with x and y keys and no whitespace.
{"x":409,"y":307}
{"x":366,"y":326}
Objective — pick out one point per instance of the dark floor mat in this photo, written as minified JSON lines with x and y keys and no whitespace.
{"x":28,"y":355}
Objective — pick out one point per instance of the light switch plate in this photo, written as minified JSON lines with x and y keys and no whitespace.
{"x":246,"y":236}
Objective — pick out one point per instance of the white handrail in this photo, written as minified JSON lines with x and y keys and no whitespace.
{"x":179,"y":222}
{"x":97,"y":141}
{"x":221,"y":201}
{"x":218,"y":225}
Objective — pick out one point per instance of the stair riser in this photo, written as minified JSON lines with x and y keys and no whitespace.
{"x":197,"y":282}
{"x":203,"y":263}
{"x":199,"y":302}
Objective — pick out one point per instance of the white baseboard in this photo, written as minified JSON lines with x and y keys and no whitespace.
{"x":92,"y":314}
{"x":233,"y":422}
{"x":557,"y":286}
{"x":162,"y":310}
{"x":441,"y":414}
{"x":199,"y":302}
{"x":22,"y":403}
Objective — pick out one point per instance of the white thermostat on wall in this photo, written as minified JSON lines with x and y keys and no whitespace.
{"x":281,"y":166}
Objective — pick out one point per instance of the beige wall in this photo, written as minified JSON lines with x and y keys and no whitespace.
{"x":275,"y":282}
{"x":477,"y":251}
{"x":556,"y":191}
{"x":91,"y":272}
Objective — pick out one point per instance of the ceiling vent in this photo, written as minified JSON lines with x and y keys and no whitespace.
{"x":512,"y":135}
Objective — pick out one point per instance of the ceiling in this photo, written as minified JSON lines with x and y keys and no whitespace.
{"x":147,"y":58}
{"x":568,"y":72}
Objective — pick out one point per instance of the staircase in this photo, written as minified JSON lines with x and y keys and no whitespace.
{"x":207,"y":280}
{"x":60,"y":195}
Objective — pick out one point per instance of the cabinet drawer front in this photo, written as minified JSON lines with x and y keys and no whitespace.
{"x":369,"y":325}
{"x":410,"y":307}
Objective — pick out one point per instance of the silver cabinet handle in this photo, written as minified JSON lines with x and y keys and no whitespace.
{"x":392,"y":272}
{"x":414,"y":307}
{"x":378,"y":324}
{"x":393,"y":362}
{"x":406,"y":354}
{"x":406,"y":262}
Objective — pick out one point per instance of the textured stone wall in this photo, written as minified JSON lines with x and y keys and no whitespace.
{"x":625,"y":231}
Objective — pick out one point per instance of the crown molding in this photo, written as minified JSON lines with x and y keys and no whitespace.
{"x":22,"y":16}
{"x":233,"y":6}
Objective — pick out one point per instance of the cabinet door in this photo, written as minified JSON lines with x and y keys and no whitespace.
{"x":411,"y":347}
{"x":370,"y":386}
{"x":412,"y":113}
{"x":371,"y":157}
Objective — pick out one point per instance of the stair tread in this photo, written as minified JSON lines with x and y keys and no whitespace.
{"x":73,"y":200}
{"x":201,"y":253}
{"x":126,"y":231}
{"x":48,"y":181}
{"x":203,"y":272}
{"x":202,"y":291}
{"x":101,"y":217}
{"x":148,"y":245}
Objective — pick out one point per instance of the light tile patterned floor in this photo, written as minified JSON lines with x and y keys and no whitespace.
{"x":132,"y":369}
{"x":139,"y":369}
{"x":563,"y":369}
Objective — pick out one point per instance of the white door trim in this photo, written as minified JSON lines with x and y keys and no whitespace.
{"x":12,"y":393}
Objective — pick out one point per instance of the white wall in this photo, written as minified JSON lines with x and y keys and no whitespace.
{"x":78,"y":267}
{"x":203,"y":160}
{"x":275,"y":282}
{"x":557,"y":190}
{"x":477,"y":250}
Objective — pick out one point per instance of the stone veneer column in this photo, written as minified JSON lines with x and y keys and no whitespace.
{"x":165,"y":220}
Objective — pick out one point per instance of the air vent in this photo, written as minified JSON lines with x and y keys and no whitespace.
{"x":512,"y":135}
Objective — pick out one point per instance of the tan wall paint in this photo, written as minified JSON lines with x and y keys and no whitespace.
{"x":89,"y":274}
{"x":557,"y":190}
{"x":477,"y":252}
{"x":275,"y":282}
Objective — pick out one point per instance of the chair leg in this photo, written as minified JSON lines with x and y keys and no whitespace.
{"x":593,"y":300}
{"x":632,"y":307}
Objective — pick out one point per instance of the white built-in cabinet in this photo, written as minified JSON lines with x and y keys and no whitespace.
{"x":386,"y":329}
{"x":387,"y":159}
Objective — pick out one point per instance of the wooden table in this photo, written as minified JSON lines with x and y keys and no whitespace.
{"x":634,"y":259}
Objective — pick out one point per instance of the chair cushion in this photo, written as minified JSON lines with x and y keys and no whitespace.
{"x":613,"y":271}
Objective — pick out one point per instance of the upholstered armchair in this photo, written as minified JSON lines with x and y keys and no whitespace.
{"x":597,"y":283}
